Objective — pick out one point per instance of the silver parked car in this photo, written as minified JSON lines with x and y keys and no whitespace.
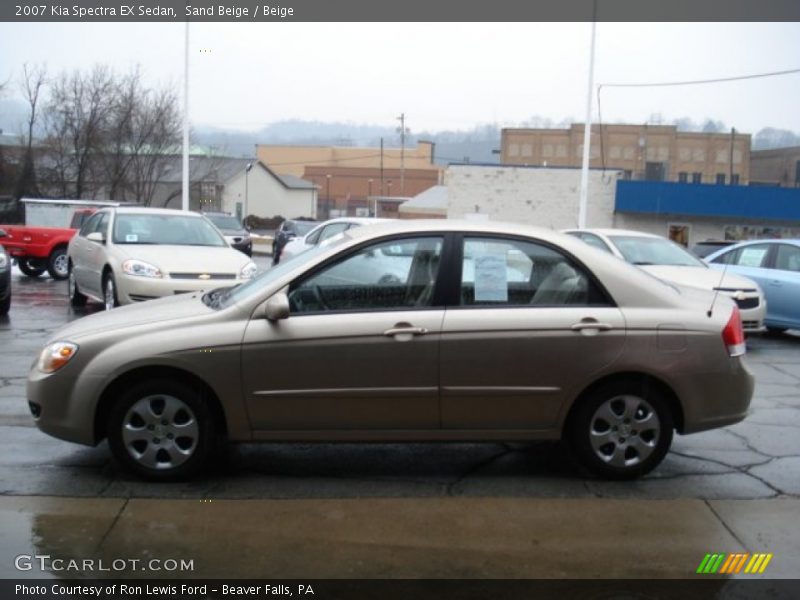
{"x":671,"y":262}
{"x":454,"y":331}
{"x":124,"y":255}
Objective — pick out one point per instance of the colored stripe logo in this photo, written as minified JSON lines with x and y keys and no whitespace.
{"x":731,"y":564}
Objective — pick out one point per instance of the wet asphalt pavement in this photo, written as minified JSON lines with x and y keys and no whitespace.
{"x":759,"y":458}
{"x":398,"y":510}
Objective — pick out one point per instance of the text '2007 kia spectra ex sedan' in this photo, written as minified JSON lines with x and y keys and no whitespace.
{"x":405,"y":331}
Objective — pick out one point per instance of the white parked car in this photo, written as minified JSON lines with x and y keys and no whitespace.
{"x":123,"y":255}
{"x":323,"y":231}
{"x":668,"y":261}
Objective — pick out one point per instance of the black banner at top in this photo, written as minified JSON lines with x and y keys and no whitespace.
{"x":93,"y":11}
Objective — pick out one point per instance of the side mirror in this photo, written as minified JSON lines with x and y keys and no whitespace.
{"x":277,"y":307}
{"x":3,"y":233}
{"x":96,"y":236}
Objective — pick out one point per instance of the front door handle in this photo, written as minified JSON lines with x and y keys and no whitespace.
{"x":591,"y":325}
{"x":404,"y":331}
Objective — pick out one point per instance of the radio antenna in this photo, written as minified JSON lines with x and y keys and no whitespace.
{"x":719,"y":285}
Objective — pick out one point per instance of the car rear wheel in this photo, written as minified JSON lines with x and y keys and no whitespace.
{"x":76,"y":299}
{"x":110,"y":292}
{"x":621,"y":430}
{"x":58,"y":263}
{"x":161,"y":429}
{"x":31,"y":267}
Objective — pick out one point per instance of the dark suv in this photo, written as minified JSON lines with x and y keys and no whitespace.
{"x":237,"y":236}
{"x":289,"y":229}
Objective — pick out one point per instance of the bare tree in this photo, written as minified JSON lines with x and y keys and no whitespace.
{"x":31,"y":84}
{"x":78,"y":113}
{"x":155,"y":135}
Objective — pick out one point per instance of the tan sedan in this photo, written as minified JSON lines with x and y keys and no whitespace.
{"x":440,"y":330}
{"x":125,"y":255}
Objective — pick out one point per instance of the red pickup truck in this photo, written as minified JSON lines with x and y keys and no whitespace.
{"x":39,"y":249}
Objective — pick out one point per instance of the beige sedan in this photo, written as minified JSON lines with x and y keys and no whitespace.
{"x":126,"y":255}
{"x":439,"y":331}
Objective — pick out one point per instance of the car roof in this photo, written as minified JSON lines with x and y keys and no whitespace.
{"x":612,"y":232}
{"x":142,"y":210}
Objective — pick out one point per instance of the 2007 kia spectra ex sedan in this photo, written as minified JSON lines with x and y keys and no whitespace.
{"x":419,"y":330}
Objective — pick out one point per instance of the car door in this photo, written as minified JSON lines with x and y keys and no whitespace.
{"x":80,"y":249}
{"x":528,"y":329}
{"x":95,"y":255}
{"x":359,"y":350}
{"x":782,"y":286}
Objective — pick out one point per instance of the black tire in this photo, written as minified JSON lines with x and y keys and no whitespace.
{"x":5,"y":305}
{"x":141,"y":441}
{"x":621,"y":430}
{"x":31,"y":267}
{"x":58,"y":263}
{"x":76,"y":299}
{"x":110,"y":298}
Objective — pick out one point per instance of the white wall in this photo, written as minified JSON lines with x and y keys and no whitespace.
{"x":542,"y":197}
{"x":267,"y":197}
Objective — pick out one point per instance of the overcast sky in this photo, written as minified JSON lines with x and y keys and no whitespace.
{"x":443,"y":76}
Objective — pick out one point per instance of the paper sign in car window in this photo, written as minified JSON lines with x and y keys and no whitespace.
{"x":491,"y":278}
{"x":131,"y":237}
{"x":752,"y":257}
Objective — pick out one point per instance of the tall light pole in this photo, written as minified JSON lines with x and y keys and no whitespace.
{"x":369,"y":193}
{"x":587,"y":132}
{"x":185,"y":175}
{"x":328,"y":196}
{"x":246,"y":191}
{"x":403,"y":130}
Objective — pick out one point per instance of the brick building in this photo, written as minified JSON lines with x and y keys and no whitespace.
{"x":644,"y":152}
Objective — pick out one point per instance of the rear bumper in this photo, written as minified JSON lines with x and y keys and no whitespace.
{"x":719,"y":398}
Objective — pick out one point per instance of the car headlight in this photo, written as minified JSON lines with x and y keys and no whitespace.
{"x":56,"y":355}
{"x":248,"y":271}
{"x":140,"y":268}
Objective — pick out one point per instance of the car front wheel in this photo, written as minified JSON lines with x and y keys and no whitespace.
{"x":161,"y":429}
{"x":621,"y":430}
{"x":110,"y":299}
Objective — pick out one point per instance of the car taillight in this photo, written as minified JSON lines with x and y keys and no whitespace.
{"x":733,"y":334}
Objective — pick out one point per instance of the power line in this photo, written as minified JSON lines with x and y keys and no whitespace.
{"x":700,"y":81}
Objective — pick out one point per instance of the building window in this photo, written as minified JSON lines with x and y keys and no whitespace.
{"x":527,"y":150}
{"x":683,"y":177}
{"x":615,"y":152}
{"x":513,"y":149}
{"x":547,"y":151}
{"x":629,"y":153}
{"x":684,"y":154}
{"x":735,"y":179}
{"x":720,"y":178}
{"x":697,"y":177}
{"x":699,"y":155}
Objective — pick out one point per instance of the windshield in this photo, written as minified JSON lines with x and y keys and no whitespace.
{"x":225,"y":221}
{"x":177,"y":230}
{"x":654,"y":251}
{"x":303,"y":227}
{"x":264,"y":280}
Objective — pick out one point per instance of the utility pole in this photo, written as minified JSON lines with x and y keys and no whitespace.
{"x":382,"y":167}
{"x":733,"y":138}
{"x":185,"y":176}
{"x":587,"y":132}
{"x":402,"y":129}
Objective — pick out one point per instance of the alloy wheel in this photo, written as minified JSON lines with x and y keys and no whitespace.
{"x":624,"y":431}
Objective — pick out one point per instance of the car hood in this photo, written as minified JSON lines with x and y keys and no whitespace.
{"x":188,"y":259}
{"x":700,"y":277}
{"x":170,"y":308}
{"x":236,"y":232}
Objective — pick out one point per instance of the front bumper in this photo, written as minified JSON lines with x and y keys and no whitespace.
{"x":131,"y":288}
